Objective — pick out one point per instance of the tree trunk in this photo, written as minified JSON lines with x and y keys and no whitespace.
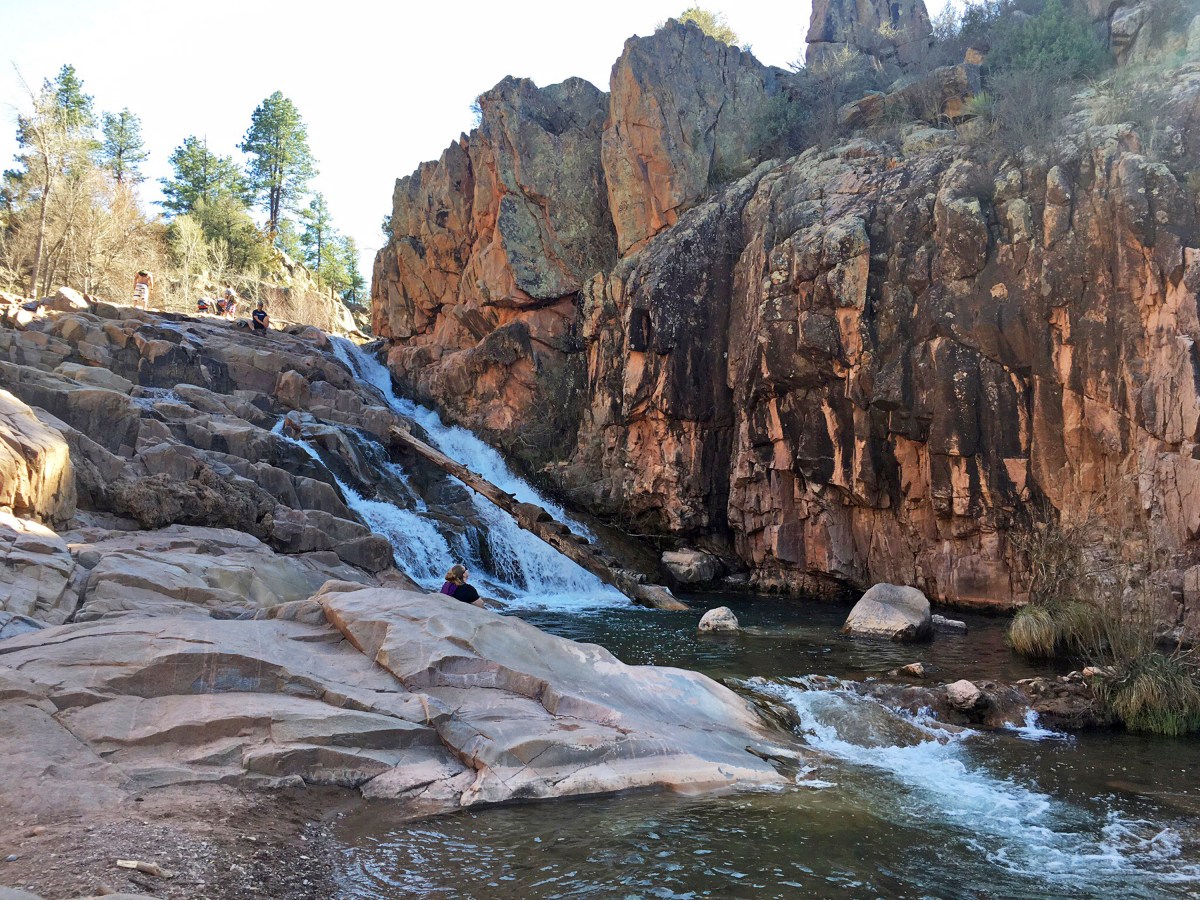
{"x":541,"y":524}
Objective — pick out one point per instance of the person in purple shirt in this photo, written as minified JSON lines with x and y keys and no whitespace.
{"x":456,"y":586}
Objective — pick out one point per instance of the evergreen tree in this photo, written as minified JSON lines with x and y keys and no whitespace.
{"x":123,"y":149}
{"x":280,"y":161}
{"x":355,"y":290}
{"x":318,"y":235}
{"x":200,"y":175}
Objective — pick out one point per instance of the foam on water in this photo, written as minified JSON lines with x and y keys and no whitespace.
{"x":1013,"y":825}
{"x":523,"y":570}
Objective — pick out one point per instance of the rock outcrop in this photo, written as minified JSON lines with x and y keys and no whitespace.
{"x":889,"y":31}
{"x":410,"y":696}
{"x":867,"y":363}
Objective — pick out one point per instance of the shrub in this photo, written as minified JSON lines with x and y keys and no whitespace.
{"x":1054,"y":43}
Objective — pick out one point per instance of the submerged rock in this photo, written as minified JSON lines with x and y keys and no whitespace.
{"x":891,"y":611}
{"x":942,"y":625}
{"x":719,"y":619}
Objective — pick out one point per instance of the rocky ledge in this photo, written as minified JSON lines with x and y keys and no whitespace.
{"x":398,"y":694}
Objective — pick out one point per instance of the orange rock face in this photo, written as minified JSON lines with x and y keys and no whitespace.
{"x":858,"y":365}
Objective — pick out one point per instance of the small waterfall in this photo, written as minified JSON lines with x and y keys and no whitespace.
{"x":523,"y":570}
{"x":930,"y":776}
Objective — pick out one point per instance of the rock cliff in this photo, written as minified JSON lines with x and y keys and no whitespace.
{"x":865,"y":363}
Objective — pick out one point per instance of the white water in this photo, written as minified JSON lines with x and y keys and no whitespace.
{"x":525,"y":571}
{"x":938,"y":783}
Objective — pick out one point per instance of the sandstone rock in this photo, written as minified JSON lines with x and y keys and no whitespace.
{"x":36,"y":572}
{"x":942,"y":625}
{"x":890,"y":611}
{"x":690,"y":566}
{"x":681,"y":110}
{"x":887,"y":31}
{"x":36,"y":477}
{"x":11,"y":625}
{"x":188,"y":570}
{"x":964,"y":695}
{"x":631,"y":726}
{"x":67,"y":299}
{"x":916,"y":670}
{"x":95,"y":376}
{"x":719,"y":619}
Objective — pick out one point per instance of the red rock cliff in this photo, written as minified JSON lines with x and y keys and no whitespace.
{"x":856,"y":365}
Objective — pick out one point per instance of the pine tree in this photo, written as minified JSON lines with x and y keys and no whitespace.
{"x":280,"y":161}
{"x":200,"y":175}
{"x":318,"y":235}
{"x":123,"y":149}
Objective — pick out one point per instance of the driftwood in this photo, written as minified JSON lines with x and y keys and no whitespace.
{"x":541,"y":524}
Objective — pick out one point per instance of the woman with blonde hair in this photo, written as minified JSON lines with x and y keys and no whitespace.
{"x":456,"y":586}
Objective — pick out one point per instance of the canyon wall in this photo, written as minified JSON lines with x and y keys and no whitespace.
{"x":870,"y":362}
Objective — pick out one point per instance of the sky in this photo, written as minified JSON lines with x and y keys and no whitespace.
{"x":381,"y":86}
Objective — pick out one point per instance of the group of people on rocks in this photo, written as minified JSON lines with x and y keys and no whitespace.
{"x":225,"y":306}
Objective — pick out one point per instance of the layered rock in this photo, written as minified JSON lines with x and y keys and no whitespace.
{"x":411,"y":696}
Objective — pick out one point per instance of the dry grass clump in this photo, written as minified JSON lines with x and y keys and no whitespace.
{"x":1155,"y":692}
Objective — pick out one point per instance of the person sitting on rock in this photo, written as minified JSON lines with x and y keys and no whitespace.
{"x":456,"y":586}
{"x":261,"y":320}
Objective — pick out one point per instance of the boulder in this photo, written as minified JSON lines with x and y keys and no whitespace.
{"x":37,"y":480}
{"x":719,"y":619}
{"x":67,"y":299}
{"x":964,"y":696}
{"x":690,"y":566}
{"x":891,"y":611}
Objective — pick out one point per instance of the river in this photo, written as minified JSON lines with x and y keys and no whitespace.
{"x":898,"y":809}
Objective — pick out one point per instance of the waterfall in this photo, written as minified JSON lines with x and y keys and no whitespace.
{"x":520,"y":568}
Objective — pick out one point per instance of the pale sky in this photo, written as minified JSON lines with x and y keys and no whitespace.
{"x":382,"y":86}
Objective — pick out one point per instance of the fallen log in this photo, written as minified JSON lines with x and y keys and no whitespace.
{"x":538,"y":522}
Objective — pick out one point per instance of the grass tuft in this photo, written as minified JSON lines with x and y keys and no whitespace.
{"x":1156,"y":693}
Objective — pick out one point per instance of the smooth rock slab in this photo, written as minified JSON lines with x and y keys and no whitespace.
{"x":690,"y":566}
{"x":891,"y":611}
{"x":541,"y":716}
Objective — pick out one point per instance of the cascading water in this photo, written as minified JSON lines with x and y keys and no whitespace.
{"x":937,"y":782}
{"x":521,"y":569}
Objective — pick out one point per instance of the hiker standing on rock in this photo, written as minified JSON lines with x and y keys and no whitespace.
{"x":231,"y":302}
{"x":456,"y":586}
{"x":143,"y":282}
{"x":261,"y":320}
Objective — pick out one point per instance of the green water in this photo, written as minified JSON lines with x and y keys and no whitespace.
{"x":991,"y":815}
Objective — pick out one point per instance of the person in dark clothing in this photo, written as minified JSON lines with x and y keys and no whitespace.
{"x":456,"y":586}
{"x":261,"y":320}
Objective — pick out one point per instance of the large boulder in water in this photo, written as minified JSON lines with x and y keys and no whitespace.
{"x":891,"y":611}
{"x":719,"y":619}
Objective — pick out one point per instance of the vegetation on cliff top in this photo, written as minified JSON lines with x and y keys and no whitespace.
{"x":70,"y":211}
